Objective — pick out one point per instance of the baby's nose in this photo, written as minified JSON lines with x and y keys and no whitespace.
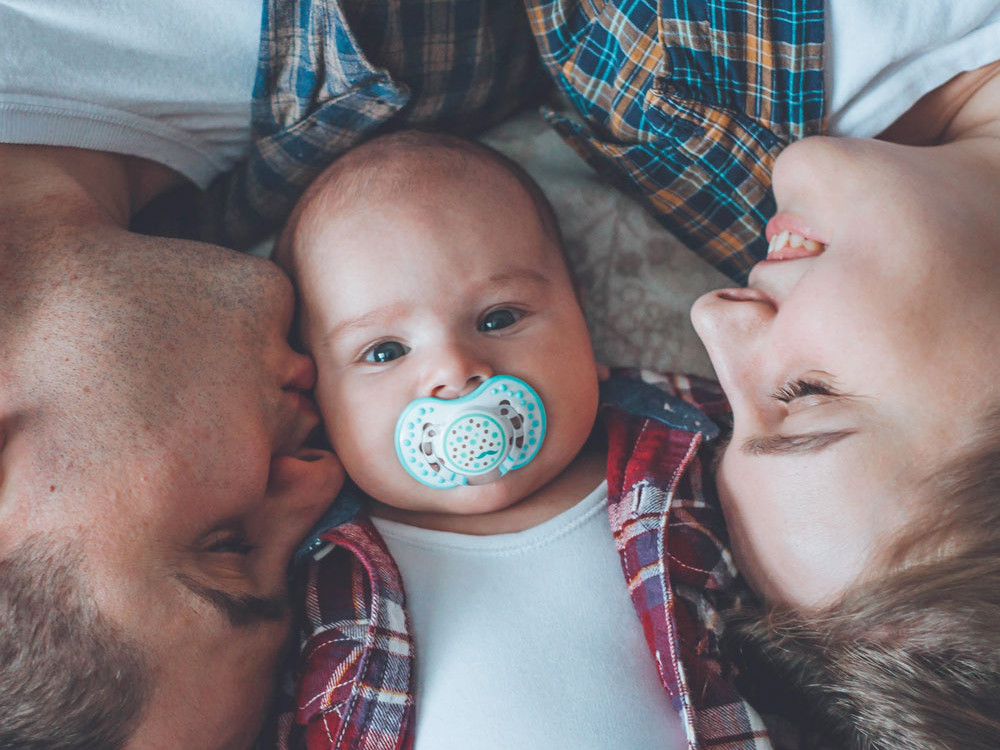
{"x":449,"y":390}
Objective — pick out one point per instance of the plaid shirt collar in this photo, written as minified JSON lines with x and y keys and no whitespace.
{"x":685,"y":105}
{"x":354,"y":688}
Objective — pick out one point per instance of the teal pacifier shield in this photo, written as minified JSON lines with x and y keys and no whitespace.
{"x":475,"y":439}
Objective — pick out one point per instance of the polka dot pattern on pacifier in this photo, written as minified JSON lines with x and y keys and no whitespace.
{"x":474,"y":443}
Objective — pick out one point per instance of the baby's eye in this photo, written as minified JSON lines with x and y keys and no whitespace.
{"x":386,"y":352}
{"x":498,"y":319}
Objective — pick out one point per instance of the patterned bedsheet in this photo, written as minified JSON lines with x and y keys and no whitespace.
{"x":638,"y":281}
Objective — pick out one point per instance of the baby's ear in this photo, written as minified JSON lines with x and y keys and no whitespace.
{"x":603,"y":372}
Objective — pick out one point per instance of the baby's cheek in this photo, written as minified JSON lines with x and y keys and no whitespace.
{"x":361,"y":433}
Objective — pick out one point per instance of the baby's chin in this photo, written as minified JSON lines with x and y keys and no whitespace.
{"x":468,"y":499}
{"x":499,"y":506}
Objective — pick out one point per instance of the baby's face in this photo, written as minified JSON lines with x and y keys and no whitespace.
{"x":428,"y":294}
{"x":855,"y":365}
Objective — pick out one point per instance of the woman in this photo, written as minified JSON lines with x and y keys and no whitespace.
{"x":861,"y":482}
{"x":860,"y":485}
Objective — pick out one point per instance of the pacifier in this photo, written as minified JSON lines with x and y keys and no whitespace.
{"x":474,"y":439}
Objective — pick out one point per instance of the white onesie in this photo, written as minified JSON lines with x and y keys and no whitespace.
{"x":529,"y":640}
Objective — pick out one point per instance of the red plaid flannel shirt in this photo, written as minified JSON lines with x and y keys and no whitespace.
{"x":354,"y":688}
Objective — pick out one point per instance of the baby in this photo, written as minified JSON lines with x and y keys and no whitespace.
{"x":458,"y":386}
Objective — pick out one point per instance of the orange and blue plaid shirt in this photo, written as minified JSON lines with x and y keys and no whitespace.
{"x":684,"y":105}
{"x":353,"y":685}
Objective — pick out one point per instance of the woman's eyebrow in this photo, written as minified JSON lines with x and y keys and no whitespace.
{"x":241,"y":610}
{"x":810,"y":442}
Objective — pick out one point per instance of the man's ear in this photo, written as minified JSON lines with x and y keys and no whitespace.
{"x":8,"y":539}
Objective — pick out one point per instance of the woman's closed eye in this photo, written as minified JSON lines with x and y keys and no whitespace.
{"x":800,"y":388}
{"x":385,"y":351}
{"x":498,"y":319}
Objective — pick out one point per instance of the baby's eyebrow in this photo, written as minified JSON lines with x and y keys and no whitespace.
{"x":371,"y":318}
{"x":520,"y":276}
{"x":394,"y":310}
{"x":810,"y":442}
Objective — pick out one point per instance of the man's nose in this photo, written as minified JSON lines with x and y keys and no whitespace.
{"x":299,"y":372}
{"x":459,"y":370}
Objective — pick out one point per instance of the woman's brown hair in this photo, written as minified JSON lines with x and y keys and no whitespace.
{"x":911,"y":660}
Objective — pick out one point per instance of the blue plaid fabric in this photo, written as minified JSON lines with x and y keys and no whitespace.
{"x":332,"y":74}
{"x":685,"y":105}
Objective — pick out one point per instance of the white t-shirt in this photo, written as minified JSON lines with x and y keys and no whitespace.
{"x":170,"y":81}
{"x":883,"y":55}
{"x":529,"y":640}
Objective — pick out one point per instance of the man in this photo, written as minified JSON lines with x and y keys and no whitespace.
{"x":154,"y":483}
{"x":154,"y":480}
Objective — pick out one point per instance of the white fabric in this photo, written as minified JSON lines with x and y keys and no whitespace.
{"x":883,"y":55}
{"x":529,"y":640}
{"x":173,"y":81}
{"x":169,"y":81}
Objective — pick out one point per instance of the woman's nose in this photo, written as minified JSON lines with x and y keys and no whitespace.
{"x":773,"y":281}
{"x":733,"y":324}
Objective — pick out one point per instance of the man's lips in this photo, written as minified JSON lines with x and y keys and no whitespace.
{"x":303,"y":404}
{"x":301,"y":419}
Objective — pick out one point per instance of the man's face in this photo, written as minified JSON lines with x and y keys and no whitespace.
{"x":156,"y":419}
{"x":429,"y":295}
{"x":854,"y":367}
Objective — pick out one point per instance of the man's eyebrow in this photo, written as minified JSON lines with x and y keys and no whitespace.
{"x":241,"y":610}
{"x":811,"y":442}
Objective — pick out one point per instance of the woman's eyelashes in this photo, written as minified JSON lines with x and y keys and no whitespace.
{"x":801,"y":387}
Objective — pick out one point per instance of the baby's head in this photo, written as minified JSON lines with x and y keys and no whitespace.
{"x":427,"y":265}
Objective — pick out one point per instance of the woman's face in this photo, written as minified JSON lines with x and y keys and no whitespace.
{"x":855,"y":366}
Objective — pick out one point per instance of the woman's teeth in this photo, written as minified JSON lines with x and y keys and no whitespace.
{"x":790,"y":245}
